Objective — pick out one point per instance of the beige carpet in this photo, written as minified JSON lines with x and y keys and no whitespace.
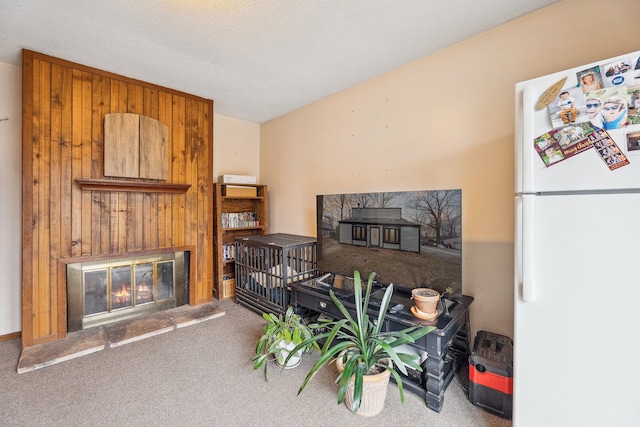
{"x":200,"y":376}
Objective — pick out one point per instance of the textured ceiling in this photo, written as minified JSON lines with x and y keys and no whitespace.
{"x":256,"y":59}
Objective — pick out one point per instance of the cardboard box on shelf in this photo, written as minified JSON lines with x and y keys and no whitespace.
{"x":229,"y":288}
{"x":240,"y":191}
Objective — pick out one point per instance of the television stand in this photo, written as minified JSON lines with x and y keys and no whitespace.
{"x":442,"y":351}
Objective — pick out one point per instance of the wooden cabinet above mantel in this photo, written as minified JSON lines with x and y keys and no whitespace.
{"x":135,"y":146}
{"x":131,"y":186}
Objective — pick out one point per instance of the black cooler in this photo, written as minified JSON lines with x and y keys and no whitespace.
{"x":491,"y":373}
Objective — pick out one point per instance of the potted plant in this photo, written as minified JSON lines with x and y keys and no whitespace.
{"x":364,"y":350}
{"x":447,"y":294}
{"x":426,"y":300}
{"x":280,"y":335}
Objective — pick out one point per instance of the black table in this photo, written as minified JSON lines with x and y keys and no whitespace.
{"x":443,"y":351}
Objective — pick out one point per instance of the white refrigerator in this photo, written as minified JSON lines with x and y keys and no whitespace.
{"x":577,"y":254}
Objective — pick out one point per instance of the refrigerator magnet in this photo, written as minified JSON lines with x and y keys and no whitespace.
{"x":550,"y":94}
{"x":608,"y":150}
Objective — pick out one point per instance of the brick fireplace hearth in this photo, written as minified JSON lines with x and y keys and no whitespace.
{"x":89,"y":341}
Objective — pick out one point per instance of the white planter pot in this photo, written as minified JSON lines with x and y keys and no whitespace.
{"x":374,"y":391}
{"x":282,"y":357}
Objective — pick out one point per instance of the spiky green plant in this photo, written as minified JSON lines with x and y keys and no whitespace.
{"x":362,"y":344}
{"x":291,"y":328}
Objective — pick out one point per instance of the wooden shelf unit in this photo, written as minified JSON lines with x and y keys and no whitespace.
{"x":223,"y":204}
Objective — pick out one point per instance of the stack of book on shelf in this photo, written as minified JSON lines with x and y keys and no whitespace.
{"x":228,"y":251}
{"x":240,"y":220}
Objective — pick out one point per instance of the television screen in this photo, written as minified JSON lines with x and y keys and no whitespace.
{"x":412,"y":239}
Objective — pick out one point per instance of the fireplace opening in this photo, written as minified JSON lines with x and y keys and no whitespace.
{"x":101,"y":292}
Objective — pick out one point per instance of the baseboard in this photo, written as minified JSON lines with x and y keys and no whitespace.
{"x":10,"y":336}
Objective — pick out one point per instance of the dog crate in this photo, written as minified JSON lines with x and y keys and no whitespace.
{"x":267,"y":266}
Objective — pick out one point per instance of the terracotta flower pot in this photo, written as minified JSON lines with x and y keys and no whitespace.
{"x":426,"y":300}
{"x":374,"y":391}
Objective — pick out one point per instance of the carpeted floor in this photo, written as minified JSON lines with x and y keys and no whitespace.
{"x":199,"y":375}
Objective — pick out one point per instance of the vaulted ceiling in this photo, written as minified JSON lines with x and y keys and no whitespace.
{"x":257,"y":59}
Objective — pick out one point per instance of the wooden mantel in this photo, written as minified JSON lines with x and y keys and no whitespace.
{"x":131,"y":186}
{"x":71,"y":210}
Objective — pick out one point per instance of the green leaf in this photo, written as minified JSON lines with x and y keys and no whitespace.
{"x":362,"y":343}
{"x":289,"y":327}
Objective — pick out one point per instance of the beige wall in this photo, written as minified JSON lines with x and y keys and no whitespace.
{"x":236,"y":147}
{"x":11,"y":197}
{"x":445,"y":121}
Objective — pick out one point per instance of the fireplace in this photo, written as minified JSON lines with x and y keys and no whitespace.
{"x":101,"y":292}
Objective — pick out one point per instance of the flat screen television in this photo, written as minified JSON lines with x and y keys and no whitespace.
{"x":412,"y":239}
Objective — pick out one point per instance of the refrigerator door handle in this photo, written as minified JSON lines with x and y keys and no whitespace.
{"x":524,"y":237}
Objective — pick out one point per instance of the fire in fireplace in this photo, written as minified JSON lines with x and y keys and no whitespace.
{"x":100,"y":292}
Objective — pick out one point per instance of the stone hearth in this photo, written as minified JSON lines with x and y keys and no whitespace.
{"x":88,"y":341}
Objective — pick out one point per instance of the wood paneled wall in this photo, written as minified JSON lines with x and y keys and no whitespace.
{"x":64,"y":105}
